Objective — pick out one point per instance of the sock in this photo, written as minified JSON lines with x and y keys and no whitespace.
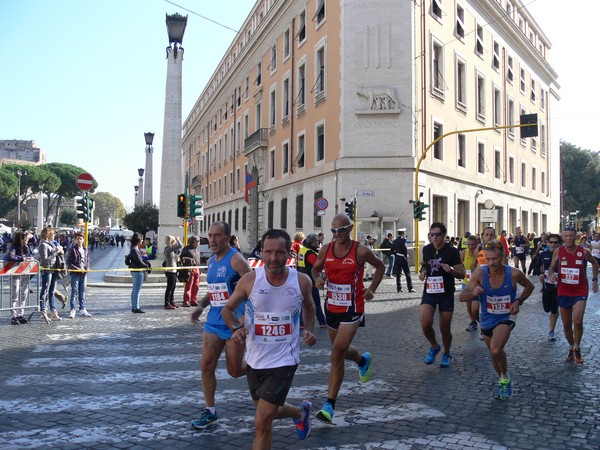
{"x":362,"y":362}
{"x":332,"y":401}
{"x":212,"y":409}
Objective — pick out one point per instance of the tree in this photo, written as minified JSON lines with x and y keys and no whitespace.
{"x":142,"y":219}
{"x":8,"y":191}
{"x":107,"y":206}
{"x":68,"y":216}
{"x":580,"y":171}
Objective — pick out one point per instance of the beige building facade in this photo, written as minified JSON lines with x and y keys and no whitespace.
{"x":325,"y":99}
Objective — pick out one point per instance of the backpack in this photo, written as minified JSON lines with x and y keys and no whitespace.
{"x":59,"y":265}
{"x":128,"y":260}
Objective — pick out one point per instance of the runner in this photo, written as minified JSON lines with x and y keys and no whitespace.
{"x":595,"y":243}
{"x":467,"y":256}
{"x":342,"y":261}
{"x":274,"y":291}
{"x":496,"y":287}
{"x":549,"y":292}
{"x":569,"y":260}
{"x":521,"y":246}
{"x":440,"y":267}
{"x":225,"y":267}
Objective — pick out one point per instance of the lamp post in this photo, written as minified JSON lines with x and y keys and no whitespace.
{"x":171,"y":179}
{"x":141,"y":199}
{"x":149,"y":137}
{"x":477,"y":194}
{"x":135,"y":188}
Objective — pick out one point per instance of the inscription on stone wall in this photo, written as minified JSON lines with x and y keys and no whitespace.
{"x":377,"y":124}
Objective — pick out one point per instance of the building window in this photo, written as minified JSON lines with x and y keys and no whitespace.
{"x":533,"y":93}
{"x":511,"y":170}
{"x":244,"y":213}
{"x":299,"y":211}
{"x":272,"y":110}
{"x":497,"y":165}
{"x":437,"y":68}
{"x":436,"y":9}
{"x":460,"y":22}
{"x":533,"y":179}
{"x":286,"y":99}
{"x":479,"y":41}
{"x":319,"y":86}
{"x":301,"y":96}
{"x":272,"y":164}
{"x":542,"y":99}
{"x":461,"y":84}
{"x":480,"y":157}
{"x":301,"y":148}
{"x":480,"y":97}
{"x":301,"y":27}
{"x":285,"y":157}
{"x":533,"y":144}
{"x":317,"y":219}
{"x":270,"y":212}
{"x":511,"y":118}
{"x":543,"y":183}
{"x":496,"y":56}
{"x":319,"y":16}
{"x":225,"y":186}
{"x":320,"y":142}
{"x":258,"y":118}
{"x":246,"y":90}
{"x":273,"y":64}
{"x":523,"y":175}
{"x":258,"y":80}
{"x":523,"y":141}
{"x":237,"y":219}
{"x":462,"y":150}
{"x":497,"y":106}
{"x":522,"y":81}
{"x":542,"y":140}
{"x":286,"y":44}
{"x":510,"y":73}
{"x":237,"y":178}
{"x":438,"y":148}
{"x":283,"y":214}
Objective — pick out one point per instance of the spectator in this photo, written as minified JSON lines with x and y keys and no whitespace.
{"x":78,"y":264}
{"x":191,"y":257}
{"x":19,"y":284}
{"x":48,"y":254}
{"x":173,"y":244}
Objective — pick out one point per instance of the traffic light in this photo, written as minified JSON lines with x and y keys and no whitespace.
{"x":181,"y":206}
{"x":82,"y":209}
{"x":419,"y":209}
{"x":196,"y":206}
{"x":350,"y":208}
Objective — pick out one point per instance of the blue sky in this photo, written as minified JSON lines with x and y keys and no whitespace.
{"x":86,"y":79}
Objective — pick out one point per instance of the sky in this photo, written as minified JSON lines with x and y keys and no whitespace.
{"x":86,"y":79}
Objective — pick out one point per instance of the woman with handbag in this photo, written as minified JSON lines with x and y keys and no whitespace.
{"x":173,"y":244}
{"x":48,"y":254}
{"x":136,"y":262}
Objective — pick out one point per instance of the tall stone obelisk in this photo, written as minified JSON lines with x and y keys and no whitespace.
{"x":171,"y":181}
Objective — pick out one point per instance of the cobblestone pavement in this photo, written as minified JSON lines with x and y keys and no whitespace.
{"x":132,"y":381}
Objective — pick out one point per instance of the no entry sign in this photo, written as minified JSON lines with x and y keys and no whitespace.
{"x":85,"y":181}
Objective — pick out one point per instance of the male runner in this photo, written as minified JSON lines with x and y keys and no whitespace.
{"x":495,"y":285}
{"x":467,"y":256}
{"x":568,"y":262}
{"x":277,"y":295}
{"x":549,"y":288}
{"x":343,"y":261}
{"x":521,"y":247}
{"x":440,"y":267}
{"x":225,"y":267}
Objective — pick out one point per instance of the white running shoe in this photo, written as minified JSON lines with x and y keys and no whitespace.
{"x":72,"y":314}
{"x":84,"y":313}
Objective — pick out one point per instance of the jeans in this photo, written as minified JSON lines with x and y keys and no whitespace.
{"x":138,"y":280}
{"x":78,"y":289}
{"x":48,"y":287}
{"x":391,"y":262}
{"x":19,"y":285}
{"x":171,"y":285}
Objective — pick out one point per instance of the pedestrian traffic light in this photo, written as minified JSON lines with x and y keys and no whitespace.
{"x":196,"y":206}
{"x":181,"y":206}
{"x":82,"y":209}
{"x":350,"y":208}
{"x":419,"y":209}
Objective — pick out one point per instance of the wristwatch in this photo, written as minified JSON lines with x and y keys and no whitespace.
{"x":236,"y":326}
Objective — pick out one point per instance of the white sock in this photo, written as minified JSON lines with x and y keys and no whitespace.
{"x":212,"y":409}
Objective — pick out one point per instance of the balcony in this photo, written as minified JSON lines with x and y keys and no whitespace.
{"x":258,"y":139}
{"x":196,"y":180}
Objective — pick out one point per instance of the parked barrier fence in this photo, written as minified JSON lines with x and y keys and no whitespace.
{"x":20,"y":287}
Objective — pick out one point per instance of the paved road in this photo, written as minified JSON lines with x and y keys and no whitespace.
{"x":125,"y":381}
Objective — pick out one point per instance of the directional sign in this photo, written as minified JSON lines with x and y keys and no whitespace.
{"x":365,"y":193}
{"x":321,"y":203}
{"x":85,"y":181}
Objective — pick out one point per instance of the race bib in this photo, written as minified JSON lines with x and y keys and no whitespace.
{"x":435,"y":285}
{"x":519,"y":250}
{"x":272,"y":328}
{"x":569,"y":275}
{"x":339,"y":294}
{"x":498,"y":305}
{"x":547,"y":278}
{"x":218,"y":294}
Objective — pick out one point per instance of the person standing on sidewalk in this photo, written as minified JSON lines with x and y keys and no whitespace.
{"x":19,"y":284}
{"x":48,"y":252}
{"x":400,"y":252}
{"x":136,"y":261}
{"x":495,"y":285}
{"x":341,"y":265}
{"x":568,"y":267}
{"x":388,"y":256}
{"x":440,"y":267}
{"x":549,"y":287}
{"x":225,"y":267}
{"x":78,"y":263}
{"x":173,"y":245}
{"x":277,"y":295}
{"x":191,"y":257}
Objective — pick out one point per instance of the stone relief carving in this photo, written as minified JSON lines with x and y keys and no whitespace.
{"x":380,"y":98}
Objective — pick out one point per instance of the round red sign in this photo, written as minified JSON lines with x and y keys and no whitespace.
{"x":85,"y":181}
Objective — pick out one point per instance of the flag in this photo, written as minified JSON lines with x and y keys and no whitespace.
{"x":250,"y":183}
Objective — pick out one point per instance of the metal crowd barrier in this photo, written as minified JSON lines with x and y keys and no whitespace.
{"x":8,"y":271}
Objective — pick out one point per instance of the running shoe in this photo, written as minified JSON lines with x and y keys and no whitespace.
{"x":72,"y":314}
{"x":22,"y":320}
{"x":364,"y":372}
{"x":578,"y":358}
{"x":303,"y":424}
{"x":430,"y":358}
{"x":505,"y":388}
{"x":207,"y":418}
{"x":446,"y":360}
{"x":472,"y":326}
{"x":83,"y":313}
{"x":326,"y":413}
{"x":551,"y":336}
{"x":571,"y":356}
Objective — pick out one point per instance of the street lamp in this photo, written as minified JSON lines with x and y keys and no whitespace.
{"x":136,"y":195}
{"x":175,"y":28}
{"x":477,"y":194}
{"x":149,"y":138}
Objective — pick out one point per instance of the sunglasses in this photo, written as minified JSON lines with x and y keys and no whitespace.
{"x":340,"y":229}
{"x":493,"y":244}
{"x":553,"y":242}
{"x":436,"y":234}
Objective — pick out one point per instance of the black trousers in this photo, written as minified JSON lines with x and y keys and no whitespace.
{"x":401,"y":265}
